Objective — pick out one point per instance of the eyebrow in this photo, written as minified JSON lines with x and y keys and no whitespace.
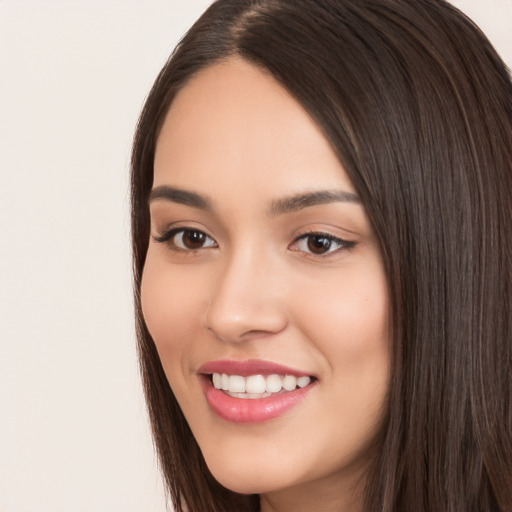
{"x":180,"y":196}
{"x":277,"y":207}
{"x":300,"y":201}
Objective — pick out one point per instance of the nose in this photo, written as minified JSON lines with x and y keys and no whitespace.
{"x":246,"y":300}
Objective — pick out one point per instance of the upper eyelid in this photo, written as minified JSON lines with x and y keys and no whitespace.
{"x":185,"y":227}
{"x":345,"y":244}
{"x":321,"y":232}
{"x":327,"y":235}
{"x":171,"y":232}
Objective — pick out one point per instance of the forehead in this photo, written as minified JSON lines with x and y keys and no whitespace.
{"x":234,"y":121}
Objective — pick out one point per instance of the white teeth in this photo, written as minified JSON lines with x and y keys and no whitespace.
{"x":290,"y":383}
{"x":248,"y":395}
{"x":302,"y":382}
{"x":236,"y":384}
{"x":257,"y":386}
{"x":274,"y":384}
{"x":217,"y":380}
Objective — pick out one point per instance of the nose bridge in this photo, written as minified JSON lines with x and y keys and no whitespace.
{"x":245,"y":297}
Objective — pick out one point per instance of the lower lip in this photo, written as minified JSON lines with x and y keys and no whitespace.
{"x":253,"y":410}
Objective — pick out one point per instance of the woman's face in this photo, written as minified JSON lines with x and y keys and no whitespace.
{"x":262,"y":265}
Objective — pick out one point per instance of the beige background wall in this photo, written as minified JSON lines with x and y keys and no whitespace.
{"x":73,"y":76}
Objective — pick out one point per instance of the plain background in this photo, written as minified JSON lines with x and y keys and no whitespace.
{"x":73,"y":76}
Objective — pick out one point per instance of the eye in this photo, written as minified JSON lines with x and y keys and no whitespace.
{"x":185,"y":239}
{"x":320,"y":244}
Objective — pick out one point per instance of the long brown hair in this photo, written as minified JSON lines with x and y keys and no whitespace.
{"x":418,"y":106}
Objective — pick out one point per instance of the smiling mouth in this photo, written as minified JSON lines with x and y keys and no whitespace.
{"x":258,"y":386}
{"x":255,"y":390}
{"x":254,"y":398}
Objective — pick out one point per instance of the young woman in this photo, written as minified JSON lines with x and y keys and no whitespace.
{"x":322,"y":234}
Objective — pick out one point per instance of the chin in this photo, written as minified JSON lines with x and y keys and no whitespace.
{"x":248,"y":482}
{"x":244,"y":476}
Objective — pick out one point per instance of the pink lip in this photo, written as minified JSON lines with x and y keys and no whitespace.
{"x":249,"y":367}
{"x":250,"y":410}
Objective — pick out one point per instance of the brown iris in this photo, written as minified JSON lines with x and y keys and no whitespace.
{"x":319,"y":244}
{"x":193,"y":239}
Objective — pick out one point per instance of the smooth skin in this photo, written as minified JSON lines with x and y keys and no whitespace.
{"x":244,"y":273}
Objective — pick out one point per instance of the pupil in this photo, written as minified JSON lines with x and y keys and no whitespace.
{"x":318,"y":244}
{"x":193,"y":239}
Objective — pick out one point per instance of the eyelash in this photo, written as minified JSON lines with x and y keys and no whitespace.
{"x":344,"y":245}
{"x":168,"y":238}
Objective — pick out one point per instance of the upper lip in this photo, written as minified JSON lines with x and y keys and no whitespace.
{"x":249,"y":367}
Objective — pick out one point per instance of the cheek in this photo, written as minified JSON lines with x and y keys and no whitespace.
{"x":351,"y":305}
{"x":348,"y":321}
{"x":171,"y":308}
